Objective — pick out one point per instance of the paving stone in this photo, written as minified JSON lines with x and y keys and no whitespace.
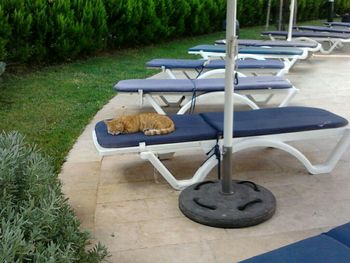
{"x":199,"y":252}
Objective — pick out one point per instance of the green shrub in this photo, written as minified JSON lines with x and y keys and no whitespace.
{"x":178,"y":12}
{"x":56,"y":30}
{"x":36,"y":222}
{"x":18,"y":45}
{"x":5,"y":32}
{"x":39,"y":30}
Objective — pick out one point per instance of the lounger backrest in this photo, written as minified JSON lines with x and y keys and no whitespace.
{"x":248,"y":50}
{"x":323,"y":29}
{"x":307,"y":34}
{"x":200,"y":85}
{"x":176,"y":63}
{"x":276,"y":121}
{"x":199,"y":64}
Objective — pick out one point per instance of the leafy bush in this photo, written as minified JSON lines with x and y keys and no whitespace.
{"x":44,"y":30}
{"x":36,"y":222}
{"x":5,"y":32}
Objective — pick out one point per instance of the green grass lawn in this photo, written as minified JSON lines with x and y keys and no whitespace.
{"x":51,"y":106}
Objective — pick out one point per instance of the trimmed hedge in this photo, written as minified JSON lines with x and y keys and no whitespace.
{"x":36,"y":222}
{"x":40,"y":30}
{"x":54,"y":30}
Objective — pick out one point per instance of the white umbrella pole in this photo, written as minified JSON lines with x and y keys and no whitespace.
{"x":229,"y":89}
{"x":291,"y":19}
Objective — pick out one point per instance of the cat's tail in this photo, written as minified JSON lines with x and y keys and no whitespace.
{"x":151,"y":132}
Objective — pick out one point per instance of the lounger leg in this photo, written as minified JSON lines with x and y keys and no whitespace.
{"x":260,"y":102}
{"x":272,"y":37}
{"x":154,"y":104}
{"x":172,"y":104}
{"x":326,"y":167}
{"x":333,"y":45}
{"x":336,"y":154}
{"x":291,"y":93}
{"x":289,"y":63}
{"x":282,"y":72}
{"x":170,"y":74}
{"x":199,"y":176}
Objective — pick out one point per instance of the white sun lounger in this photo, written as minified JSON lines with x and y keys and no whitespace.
{"x":208,"y":68}
{"x":307,"y":45}
{"x":273,"y":127}
{"x":336,"y":40}
{"x":202,"y":90}
{"x":322,"y":29}
{"x":288,"y":55}
{"x":338,"y":24}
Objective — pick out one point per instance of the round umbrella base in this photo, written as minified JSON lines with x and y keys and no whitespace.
{"x":249,"y":205}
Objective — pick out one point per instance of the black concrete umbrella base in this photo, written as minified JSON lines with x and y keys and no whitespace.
{"x":249,"y":205}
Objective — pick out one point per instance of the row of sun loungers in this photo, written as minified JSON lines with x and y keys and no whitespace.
{"x":336,"y":35}
{"x":273,"y":127}
{"x":269,"y":127}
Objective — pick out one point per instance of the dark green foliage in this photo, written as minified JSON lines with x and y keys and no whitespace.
{"x":18,"y":45}
{"x":5,"y":31}
{"x":39,"y":30}
{"x":36,"y":222}
{"x":56,"y":30}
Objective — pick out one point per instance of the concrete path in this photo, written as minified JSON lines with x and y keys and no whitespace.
{"x":135,"y":214}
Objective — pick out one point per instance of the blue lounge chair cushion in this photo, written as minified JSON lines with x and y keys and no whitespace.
{"x":199,"y":64}
{"x":321,"y":248}
{"x":248,"y":64}
{"x":333,"y":246}
{"x":176,"y":63}
{"x":200,"y":85}
{"x":323,"y":29}
{"x":187,"y":128}
{"x":276,"y":121}
{"x":271,"y":51}
{"x":278,"y":43}
{"x":249,"y":50}
{"x":307,"y":34}
{"x":271,"y":43}
{"x":341,"y":233}
{"x":344,"y":24}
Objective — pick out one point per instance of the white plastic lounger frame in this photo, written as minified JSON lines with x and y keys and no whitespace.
{"x":246,"y":97}
{"x":333,"y":42}
{"x":278,"y":141}
{"x":289,"y":60}
{"x":249,"y":100}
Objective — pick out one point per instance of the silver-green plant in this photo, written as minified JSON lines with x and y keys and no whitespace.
{"x":36,"y":222}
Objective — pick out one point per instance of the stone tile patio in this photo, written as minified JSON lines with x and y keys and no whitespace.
{"x":135,"y":213}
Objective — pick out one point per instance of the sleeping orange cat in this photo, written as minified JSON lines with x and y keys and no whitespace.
{"x":148,"y":123}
